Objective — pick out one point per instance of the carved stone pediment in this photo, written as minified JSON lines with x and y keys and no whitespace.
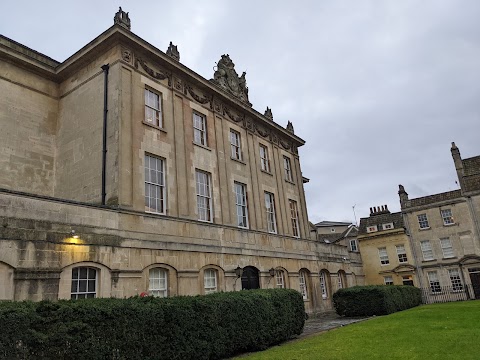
{"x":173,"y":52}
{"x":290,"y":127}
{"x":268,"y":114}
{"x":227,"y":78}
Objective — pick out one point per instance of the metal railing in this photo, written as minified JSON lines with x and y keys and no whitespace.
{"x":441,"y":294}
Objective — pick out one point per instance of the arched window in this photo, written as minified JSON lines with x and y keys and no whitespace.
{"x":342,"y":280}
{"x":323,"y":284}
{"x":280,"y":279}
{"x":302,"y":280}
{"x":84,"y":282}
{"x":210,"y":281}
{"x":158,"y":284}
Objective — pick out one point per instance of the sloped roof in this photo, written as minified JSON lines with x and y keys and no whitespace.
{"x":351,"y":232}
{"x":471,"y":171}
{"x":379,"y":219}
{"x":327,"y":223}
{"x":431,"y":199}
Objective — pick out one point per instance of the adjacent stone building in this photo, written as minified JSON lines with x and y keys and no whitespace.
{"x":385,"y":249}
{"x":444,"y":230}
{"x":124,"y":172}
{"x":343,"y":234}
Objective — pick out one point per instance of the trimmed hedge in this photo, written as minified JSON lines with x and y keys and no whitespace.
{"x":201,"y":327}
{"x":375,"y":299}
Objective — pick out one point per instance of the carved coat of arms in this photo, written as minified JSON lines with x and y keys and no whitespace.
{"x":227,"y":78}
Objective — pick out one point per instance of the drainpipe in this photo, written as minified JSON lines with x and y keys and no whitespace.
{"x":104,"y":150}
{"x":414,"y":251}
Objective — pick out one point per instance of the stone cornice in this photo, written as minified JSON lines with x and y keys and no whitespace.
{"x":157,"y":64}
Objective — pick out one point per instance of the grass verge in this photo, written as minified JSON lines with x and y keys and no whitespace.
{"x":437,"y":331}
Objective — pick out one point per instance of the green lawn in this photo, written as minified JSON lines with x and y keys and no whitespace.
{"x":438,"y":331}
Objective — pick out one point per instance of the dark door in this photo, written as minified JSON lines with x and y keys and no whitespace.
{"x":475,"y":278}
{"x":250,"y":278}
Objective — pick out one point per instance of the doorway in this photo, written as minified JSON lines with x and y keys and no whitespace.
{"x":250,"y":278}
{"x":475,"y":279}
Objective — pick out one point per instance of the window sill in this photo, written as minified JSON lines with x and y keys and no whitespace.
{"x":266,"y":172}
{"x":243,"y":227}
{"x":155,"y":213}
{"x":452,"y":224}
{"x":202,"y":146}
{"x":449,"y":258}
{"x":384,"y":264}
{"x":155,"y":127}
{"x":289,"y":181}
{"x":427,"y":261}
{"x":206,"y":221}
{"x":423,"y":229}
{"x":238,"y":160}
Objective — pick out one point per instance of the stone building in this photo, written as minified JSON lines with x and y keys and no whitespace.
{"x":444,"y":230}
{"x":385,"y":249}
{"x":124,"y":172}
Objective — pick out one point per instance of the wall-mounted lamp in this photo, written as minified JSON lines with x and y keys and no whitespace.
{"x":73,"y":234}
{"x":238,"y":272}
{"x":271,"y":272}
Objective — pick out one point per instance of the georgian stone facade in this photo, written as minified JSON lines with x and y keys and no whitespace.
{"x":124,"y":172}
{"x":385,"y":248}
{"x":445,"y":232}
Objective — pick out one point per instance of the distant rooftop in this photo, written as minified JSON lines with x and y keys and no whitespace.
{"x":332,"y":223}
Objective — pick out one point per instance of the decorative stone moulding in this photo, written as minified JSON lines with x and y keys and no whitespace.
{"x":204,"y":97}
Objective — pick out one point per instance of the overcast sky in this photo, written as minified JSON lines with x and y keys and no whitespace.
{"x":378,"y":89}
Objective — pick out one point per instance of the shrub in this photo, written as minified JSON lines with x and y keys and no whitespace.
{"x":201,"y":327}
{"x":375,"y":299}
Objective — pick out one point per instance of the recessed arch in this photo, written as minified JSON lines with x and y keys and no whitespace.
{"x":209,"y":282}
{"x":77,"y":274}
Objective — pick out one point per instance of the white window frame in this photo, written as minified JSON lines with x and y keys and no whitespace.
{"x":423,"y":221}
{"x":264,"y":159}
{"x":153,"y":108}
{"x":372,"y":228}
{"x":158,"y":282}
{"x":447,"y":216}
{"x":287,"y":167}
{"x":302,"y":280}
{"x":270,"y":209}
{"x":199,"y":129}
{"x":280,"y":279}
{"x":455,"y":279}
{"x":89,"y":281}
{"x":388,"y":280}
{"x":340,"y":280}
{"x":353,"y":245}
{"x":434,"y":282}
{"x":294,"y":217}
{"x":155,"y":193}
{"x":383,"y":256}
{"x":203,"y":182}
{"x":323,"y":284}
{"x":210,"y":280}
{"x":447,"y":248}
{"x":387,"y":226}
{"x":401,"y":253}
{"x":427,"y":250}
{"x":241,"y":204}
{"x":235,"y":145}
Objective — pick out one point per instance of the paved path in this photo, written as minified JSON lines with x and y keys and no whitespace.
{"x":326,"y":322}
